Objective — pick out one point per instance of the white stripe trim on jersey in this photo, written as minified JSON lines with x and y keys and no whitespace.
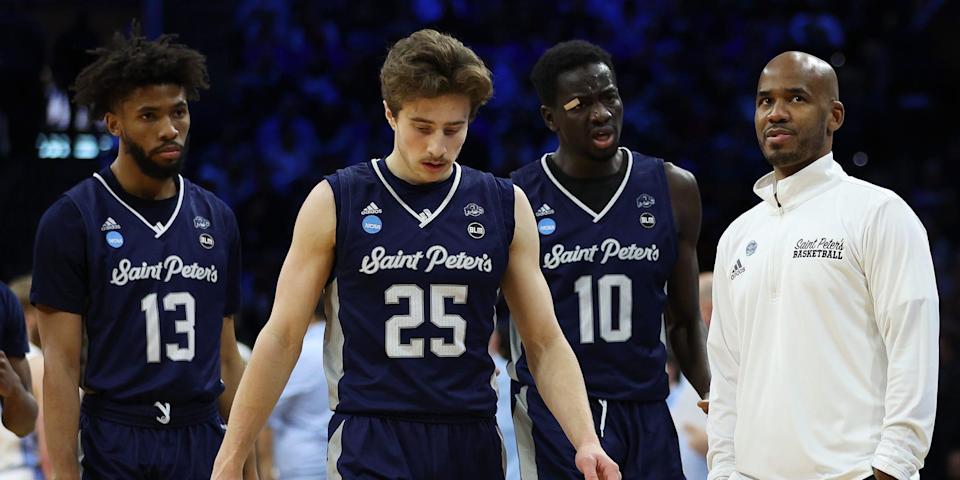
{"x":334,"y":451}
{"x":523,"y":427}
{"x":423,"y":221}
{"x":158,"y":231}
{"x":333,"y":344}
{"x":613,"y":200}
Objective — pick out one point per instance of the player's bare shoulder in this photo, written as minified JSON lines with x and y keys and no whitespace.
{"x":682,"y":182}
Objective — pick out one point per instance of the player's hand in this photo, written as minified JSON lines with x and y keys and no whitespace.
{"x":594,"y":463}
{"x":704,"y":405}
{"x":9,"y":380}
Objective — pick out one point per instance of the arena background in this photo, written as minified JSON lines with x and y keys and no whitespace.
{"x":295,"y":95}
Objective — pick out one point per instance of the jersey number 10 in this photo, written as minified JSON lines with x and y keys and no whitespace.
{"x":605,"y":285}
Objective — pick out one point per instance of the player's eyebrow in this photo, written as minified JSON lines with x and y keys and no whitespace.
{"x":431,"y":122}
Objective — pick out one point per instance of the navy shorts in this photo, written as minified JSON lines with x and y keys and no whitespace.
{"x":640,"y":437}
{"x":370,"y":447}
{"x":131,"y":442}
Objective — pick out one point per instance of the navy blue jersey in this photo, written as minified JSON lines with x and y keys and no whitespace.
{"x":152,"y":296}
{"x":607,"y":272}
{"x":414,"y":286}
{"x":13,"y":328}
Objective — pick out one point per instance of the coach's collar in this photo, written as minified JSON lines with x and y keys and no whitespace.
{"x":787,"y":193}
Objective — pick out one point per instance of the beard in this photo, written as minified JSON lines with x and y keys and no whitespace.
{"x":151,"y":168}
{"x":807,"y":150}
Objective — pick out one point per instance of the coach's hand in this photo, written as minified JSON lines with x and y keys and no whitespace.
{"x":594,"y":463}
{"x":704,"y":405}
{"x":881,"y":475}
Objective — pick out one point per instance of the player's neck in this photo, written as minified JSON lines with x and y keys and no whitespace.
{"x":579,"y":166}
{"x":138,"y":184}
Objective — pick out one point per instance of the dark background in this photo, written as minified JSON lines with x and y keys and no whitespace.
{"x":295,"y":95}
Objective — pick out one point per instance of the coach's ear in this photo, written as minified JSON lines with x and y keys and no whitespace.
{"x":391,"y":119}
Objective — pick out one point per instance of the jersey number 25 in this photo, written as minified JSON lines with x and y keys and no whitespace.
{"x":396,"y":348}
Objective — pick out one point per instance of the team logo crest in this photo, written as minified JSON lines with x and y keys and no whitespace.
{"x":546,"y":226}
{"x":110,"y":224}
{"x":201,"y":223}
{"x":751,"y":247}
{"x":648,"y":220}
{"x":476,"y":230}
{"x":372,"y":224}
{"x":114,"y":239}
{"x":164,"y":408}
{"x":206,"y":240}
{"x":473,"y":210}
{"x":646,"y":201}
{"x":371,"y":209}
{"x":544,"y":210}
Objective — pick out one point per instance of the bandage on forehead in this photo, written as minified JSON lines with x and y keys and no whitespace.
{"x":571,"y":104}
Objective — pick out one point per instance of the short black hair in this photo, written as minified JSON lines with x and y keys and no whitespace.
{"x":563,"y":57}
{"x":128,"y":63}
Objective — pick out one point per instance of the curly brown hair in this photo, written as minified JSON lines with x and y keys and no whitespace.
{"x":128,"y":63}
{"x":428,"y":64}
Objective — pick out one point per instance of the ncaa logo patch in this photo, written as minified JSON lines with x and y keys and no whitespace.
{"x":648,"y":220}
{"x":206,"y":241}
{"x":646,"y":200}
{"x":546,"y":226}
{"x":476,"y":230}
{"x":114,"y":239}
{"x":751,"y":247}
{"x":372,"y":224}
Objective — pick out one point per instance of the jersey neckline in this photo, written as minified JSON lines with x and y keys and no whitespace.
{"x":422,"y":219}
{"x":597,"y":216}
{"x":158,"y":230}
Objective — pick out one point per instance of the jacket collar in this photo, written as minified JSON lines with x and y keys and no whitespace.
{"x":787,"y":193}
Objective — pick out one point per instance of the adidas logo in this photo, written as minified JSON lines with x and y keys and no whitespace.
{"x":371,"y":209}
{"x":110,"y":224}
{"x":737,"y":270}
{"x":545,"y":210}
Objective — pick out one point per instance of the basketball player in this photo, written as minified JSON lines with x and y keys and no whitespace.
{"x":824,"y":339}
{"x":141,"y":267}
{"x":409,"y":253}
{"x":615,"y":227}
{"x":19,"y":409}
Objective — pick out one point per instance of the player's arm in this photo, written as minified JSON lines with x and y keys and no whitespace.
{"x":19,"y":407}
{"x":906,"y":305}
{"x":685,"y":328}
{"x":302,"y":279}
{"x":231,"y":370}
{"x":723,"y":349}
{"x":61,"y":334}
{"x":550,"y":357}
{"x":36,"y":374}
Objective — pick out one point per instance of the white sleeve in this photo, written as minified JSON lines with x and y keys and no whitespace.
{"x":900,"y":278}
{"x":723,"y":351}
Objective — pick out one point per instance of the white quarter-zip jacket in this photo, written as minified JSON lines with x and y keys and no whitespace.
{"x":823,"y":341}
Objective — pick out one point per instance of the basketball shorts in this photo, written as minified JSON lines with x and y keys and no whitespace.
{"x":640,"y":437}
{"x":144,"y":442}
{"x":386,"y":448}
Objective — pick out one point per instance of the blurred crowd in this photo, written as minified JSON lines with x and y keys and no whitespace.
{"x":295,"y":95}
